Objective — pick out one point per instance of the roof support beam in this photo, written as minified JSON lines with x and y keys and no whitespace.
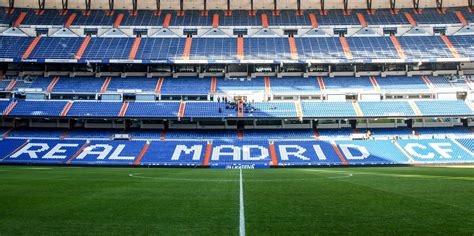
{"x":111,"y":5}
{"x":158,"y":5}
{"x":134,"y":5}
{"x":87,"y":5}
{"x":228,"y":12}
{"x":11,"y":4}
{"x":393,"y":4}
{"x":41,"y":4}
{"x":204,"y":10}
{"x":346,"y":3}
{"x":416,"y":5}
{"x":439,"y":4}
{"x":299,"y":12}
{"x":323,"y":12}
{"x":65,"y":4}
{"x":469,"y":3}
{"x":276,"y":12}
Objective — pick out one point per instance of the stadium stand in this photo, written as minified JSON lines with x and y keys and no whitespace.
{"x":232,"y":88}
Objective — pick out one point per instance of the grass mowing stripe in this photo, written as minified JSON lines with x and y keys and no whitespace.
{"x":242,"y":213}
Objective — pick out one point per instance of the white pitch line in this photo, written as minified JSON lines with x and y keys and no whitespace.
{"x":242,"y":214}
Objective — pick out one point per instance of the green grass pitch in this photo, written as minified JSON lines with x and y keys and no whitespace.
{"x":137,"y":201}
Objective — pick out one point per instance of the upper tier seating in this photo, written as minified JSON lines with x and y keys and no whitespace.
{"x":348,"y":84}
{"x":213,"y":49}
{"x":255,"y":48}
{"x":240,"y":84}
{"x":319,"y":48}
{"x":105,"y":48}
{"x":160,"y":49}
{"x":294,"y":85}
{"x":391,"y":84}
{"x":328,"y":109}
{"x":266,"y":48}
{"x":239,"y":18}
{"x":189,"y":86}
{"x":3,"y":105}
{"x":95,"y":109}
{"x":389,"y":108}
{"x":273,"y":109}
{"x":444,"y":108}
{"x":56,"y":48}
{"x":79,"y":85}
{"x":372,"y":47}
{"x":14,"y":47}
{"x":132,"y":83}
{"x":152,"y":109}
{"x":421,"y":47}
{"x":38,"y":108}
{"x":464,"y":44}
{"x":208,"y":110}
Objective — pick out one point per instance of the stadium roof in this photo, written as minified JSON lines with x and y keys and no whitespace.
{"x":234,"y":4}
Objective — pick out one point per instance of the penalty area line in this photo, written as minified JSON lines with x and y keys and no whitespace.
{"x":242,"y":213}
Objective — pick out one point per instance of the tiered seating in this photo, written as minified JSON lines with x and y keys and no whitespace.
{"x":240,"y":84}
{"x":197,"y":134}
{"x":426,"y":151}
{"x":405,"y":84}
{"x":208,"y":110}
{"x":132,"y":83}
{"x":468,"y":143}
{"x":464,"y":44}
{"x":56,"y":48}
{"x":389,"y":109}
{"x":372,"y":47}
{"x":279,"y":134}
{"x":3,"y":105}
{"x":131,"y":150}
{"x":96,"y":18}
{"x":319,"y":48}
{"x":40,"y":83}
{"x":379,"y":152}
{"x":458,"y":130}
{"x":160,"y":49}
{"x":385,"y":17}
{"x":161,"y":153}
{"x":392,"y":132}
{"x":13,"y":47}
{"x":444,"y":83}
{"x":152,"y":109}
{"x":273,"y":109}
{"x":36,"y":133}
{"x":303,"y":153}
{"x":348,"y":83}
{"x":431,"y":16}
{"x":267,"y":49}
{"x":233,"y":152}
{"x":444,"y":108}
{"x":143,"y":18}
{"x":78,"y":85}
{"x":340,"y":132}
{"x":424,"y":47}
{"x":95,"y":109}
{"x":146,"y":134}
{"x":108,"y":48}
{"x":92,"y":133}
{"x":213,"y":49}
{"x":294,"y":85}
{"x":337,"y":17}
{"x":188,"y":86}
{"x":48,"y":18}
{"x":328,"y":109}
{"x":38,"y":108}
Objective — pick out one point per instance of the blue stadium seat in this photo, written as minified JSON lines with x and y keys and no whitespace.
{"x":38,"y":108}
{"x":388,"y":108}
{"x":444,"y":108}
{"x":153,"y":109}
{"x":328,"y":109}
{"x":95,"y":109}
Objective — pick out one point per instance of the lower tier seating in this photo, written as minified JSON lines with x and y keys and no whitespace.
{"x":228,"y":153}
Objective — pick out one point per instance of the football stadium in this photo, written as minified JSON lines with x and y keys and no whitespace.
{"x":225,"y":117}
